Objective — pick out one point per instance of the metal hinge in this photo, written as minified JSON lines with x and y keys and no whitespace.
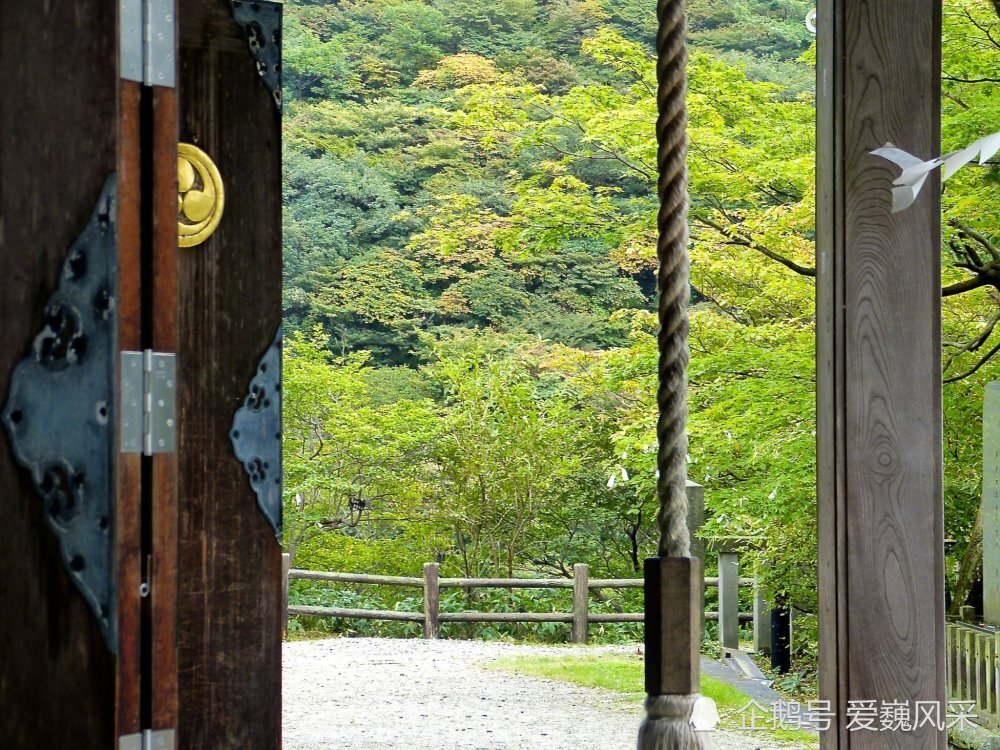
{"x":148,"y":402}
{"x":159,"y":739}
{"x":147,"y":41}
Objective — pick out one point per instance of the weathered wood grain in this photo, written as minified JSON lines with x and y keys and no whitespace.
{"x":878,"y":361}
{"x":128,"y":468}
{"x":507,"y":583}
{"x":163,"y":320}
{"x":319,"y":575}
{"x":58,"y":144}
{"x":229,"y":307}
{"x":673,"y":633}
{"x":507,"y":617}
{"x":432,"y":601}
{"x":581,"y":602}
{"x":357,"y":614}
{"x":286,"y":564}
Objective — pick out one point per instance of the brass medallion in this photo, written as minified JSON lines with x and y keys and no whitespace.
{"x":200,"y":196}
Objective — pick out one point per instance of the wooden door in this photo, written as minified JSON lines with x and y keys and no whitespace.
{"x":228,"y":316}
{"x":139,"y":592}
{"x":69,"y":592}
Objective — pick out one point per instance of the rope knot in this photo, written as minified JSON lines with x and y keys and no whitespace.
{"x":670,"y":706}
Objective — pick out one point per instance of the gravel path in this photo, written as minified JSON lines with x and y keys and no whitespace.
{"x":385,"y":694}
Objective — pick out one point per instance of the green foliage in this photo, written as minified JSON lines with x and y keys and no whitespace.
{"x":470,"y":219}
{"x":446,"y":161}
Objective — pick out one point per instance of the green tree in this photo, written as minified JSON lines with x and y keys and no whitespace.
{"x":344,"y":456}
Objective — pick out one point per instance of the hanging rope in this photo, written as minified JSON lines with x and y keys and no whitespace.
{"x":671,"y":676}
{"x":672,"y":280}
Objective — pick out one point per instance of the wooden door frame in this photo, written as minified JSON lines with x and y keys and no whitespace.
{"x":879,"y":423}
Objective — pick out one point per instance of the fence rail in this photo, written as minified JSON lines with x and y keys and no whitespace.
{"x":973,"y":669}
{"x":728,"y":583}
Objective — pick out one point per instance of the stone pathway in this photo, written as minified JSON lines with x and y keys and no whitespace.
{"x":387,"y":694}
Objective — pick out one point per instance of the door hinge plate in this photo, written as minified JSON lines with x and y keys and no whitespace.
{"x":148,"y":402}
{"x":147,"y":41}
{"x":256,"y":434}
{"x":158,"y":739}
{"x":59,"y":414}
{"x":261,"y":25}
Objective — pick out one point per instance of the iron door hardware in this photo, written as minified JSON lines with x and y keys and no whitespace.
{"x":60,"y":408}
{"x":261,"y":24}
{"x":256,"y":434}
{"x":148,"y":402}
{"x":147,"y":39}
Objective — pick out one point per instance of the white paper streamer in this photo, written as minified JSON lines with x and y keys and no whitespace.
{"x":915,"y":170}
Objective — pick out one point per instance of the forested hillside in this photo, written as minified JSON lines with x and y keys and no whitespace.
{"x":410,"y":209}
{"x":470,"y":274}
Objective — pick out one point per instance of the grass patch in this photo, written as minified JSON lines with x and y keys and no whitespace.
{"x":623,"y":674}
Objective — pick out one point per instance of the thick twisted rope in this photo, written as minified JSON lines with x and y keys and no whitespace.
{"x":672,"y":279}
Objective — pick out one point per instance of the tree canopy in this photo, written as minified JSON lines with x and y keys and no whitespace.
{"x":470,"y":274}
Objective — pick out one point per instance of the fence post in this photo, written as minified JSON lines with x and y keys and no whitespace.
{"x":729,"y":599}
{"x":581,"y":602}
{"x":286,"y":565}
{"x":432,"y":593}
{"x":761,"y":619}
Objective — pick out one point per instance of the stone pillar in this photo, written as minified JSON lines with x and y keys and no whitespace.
{"x":761,"y":619}
{"x":696,"y":519}
{"x":729,"y":599}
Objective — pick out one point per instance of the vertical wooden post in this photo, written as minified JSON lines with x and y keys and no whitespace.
{"x":729,"y":599}
{"x":991,"y":678}
{"x":969,"y":664}
{"x":989,"y":657}
{"x":881,"y":539}
{"x":761,"y":619}
{"x":162,"y":526}
{"x":980,"y":658}
{"x":581,"y":602}
{"x":432,"y":600}
{"x":286,"y":566}
{"x":673,"y":646}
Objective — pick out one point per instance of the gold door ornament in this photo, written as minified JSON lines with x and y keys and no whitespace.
{"x":201,"y":196}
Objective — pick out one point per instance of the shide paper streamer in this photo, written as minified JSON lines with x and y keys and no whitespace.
{"x":915,"y":170}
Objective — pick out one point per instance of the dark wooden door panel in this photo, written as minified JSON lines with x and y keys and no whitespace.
{"x":229,"y":308}
{"x":203,"y":652}
{"x":58,"y":146}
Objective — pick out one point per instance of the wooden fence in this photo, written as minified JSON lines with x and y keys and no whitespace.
{"x":728,"y":614}
{"x":972,"y":669}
